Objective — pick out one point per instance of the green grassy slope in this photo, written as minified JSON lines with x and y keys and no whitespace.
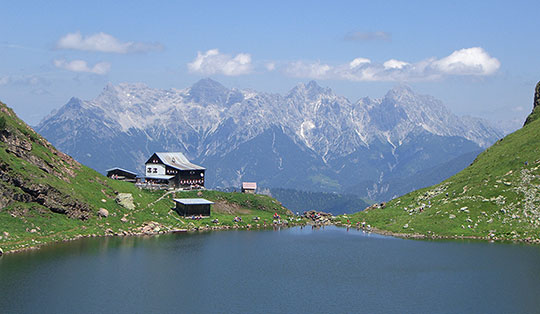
{"x":496,"y":197}
{"x":48,"y":197}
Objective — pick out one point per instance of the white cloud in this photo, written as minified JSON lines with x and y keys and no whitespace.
{"x":394,"y":64}
{"x":81,"y":66}
{"x":469,"y":61}
{"x":4,"y":80}
{"x":102,"y":42}
{"x":214,"y":62}
{"x":358,"y":62}
{"x":465,"y":62}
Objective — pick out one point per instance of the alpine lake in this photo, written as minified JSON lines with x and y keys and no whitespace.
{"x":294,"y":270}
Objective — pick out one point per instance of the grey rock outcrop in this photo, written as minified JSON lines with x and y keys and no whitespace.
{"x":125,"y":200}
{"x":536,"y":106}
{"x":19,"y":184}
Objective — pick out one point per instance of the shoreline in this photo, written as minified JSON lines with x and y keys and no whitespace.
{"x":152,"y":232}
{"x":420,"y":236}
{"x":401,"y":235}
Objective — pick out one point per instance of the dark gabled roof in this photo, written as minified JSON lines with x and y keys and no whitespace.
{"x":192,"y":201}
{"x":177,"y":161}
{"x":118,"y":168}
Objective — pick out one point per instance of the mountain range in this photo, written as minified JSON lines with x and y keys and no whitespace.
{"x":309,"y":139}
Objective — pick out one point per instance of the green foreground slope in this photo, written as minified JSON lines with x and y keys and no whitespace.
{"x":46,"y":196}
{"x":496,"y":197}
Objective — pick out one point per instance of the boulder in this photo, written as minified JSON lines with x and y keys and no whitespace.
{"x":125,"y":200}
{"x":102,"y":212}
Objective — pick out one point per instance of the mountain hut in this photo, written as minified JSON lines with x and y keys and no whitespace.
{"x":173,"y":170}
{"x":249,"y":187}
{"x":121,"y":174}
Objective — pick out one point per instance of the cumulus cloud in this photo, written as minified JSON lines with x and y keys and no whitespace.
{"x":465,"y":62}
{"x":469,"y":61}
{"x":82,"y":66}
{"x":368,"y":36}
{"x":214,"y":62}
{"x":358,"y":62}
{"x":103,"y":42}
{"x":395,"y":64}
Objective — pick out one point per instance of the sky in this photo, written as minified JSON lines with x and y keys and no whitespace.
{"x":481,"y":58}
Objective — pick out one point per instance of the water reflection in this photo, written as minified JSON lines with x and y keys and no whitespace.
{"x":308,"y":270}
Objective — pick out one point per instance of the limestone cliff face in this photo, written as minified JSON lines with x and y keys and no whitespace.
{"x":536,"y":106}
{"x":33,"y":172}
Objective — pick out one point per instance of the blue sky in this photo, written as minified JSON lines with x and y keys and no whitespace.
{"x":479,"y":57}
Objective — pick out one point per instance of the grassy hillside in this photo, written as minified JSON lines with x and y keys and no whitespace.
{"x":497,"y":197}
{"x":46,"y":196}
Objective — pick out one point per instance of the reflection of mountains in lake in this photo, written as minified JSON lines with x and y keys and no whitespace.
{"x":268,"y":271}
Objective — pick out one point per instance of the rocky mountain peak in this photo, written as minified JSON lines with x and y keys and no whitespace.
{"x":310,"y":91}
{"x":108,"y":88}
{"x":74,"y":103}
{"x":312,"y":85}
{"x":400,"y":92}
{"x":208,"y":91}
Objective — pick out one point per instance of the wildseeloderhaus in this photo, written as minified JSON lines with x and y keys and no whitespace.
{"x":174,"y":170}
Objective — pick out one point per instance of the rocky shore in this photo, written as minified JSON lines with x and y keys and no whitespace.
{"x":153,"y":228}
{"x":433,"y":236}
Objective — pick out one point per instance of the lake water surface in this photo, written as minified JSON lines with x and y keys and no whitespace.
{"x":295,"y":270}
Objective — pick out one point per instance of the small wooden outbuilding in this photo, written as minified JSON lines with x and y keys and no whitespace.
{"x":121,"y":174}
{"x":193,"y":206}
{"x":249,"y":187}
